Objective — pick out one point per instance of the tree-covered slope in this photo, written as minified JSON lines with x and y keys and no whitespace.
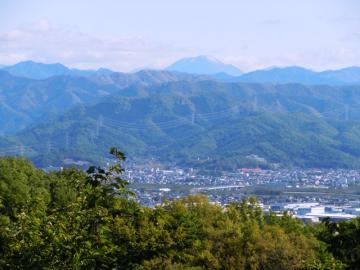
{"x":206,"y":123}
{"x":24,"y":102}
{"x":71,"y":219}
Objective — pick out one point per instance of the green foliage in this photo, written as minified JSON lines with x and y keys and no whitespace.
{"x":70,"y":219}
{"x":293,"y":125}
{"x":21,"y":186}
{"x":343,"y":240}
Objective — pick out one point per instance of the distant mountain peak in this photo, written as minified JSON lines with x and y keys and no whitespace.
{"x":104,"y":71}
{"x":285,"y":68}
{"x":31,"y":63}
{"x":203,"y":64}
{"x":39,"y":71}
{"x":34,"y":70}
{"x":206,"y":58}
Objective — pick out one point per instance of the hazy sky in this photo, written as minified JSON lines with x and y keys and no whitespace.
{"x":128,"y":34}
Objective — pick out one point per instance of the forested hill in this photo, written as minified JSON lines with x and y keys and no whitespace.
{"x":25,"y":101}
{"x":71,"y":219}
{"x":208,"y":124}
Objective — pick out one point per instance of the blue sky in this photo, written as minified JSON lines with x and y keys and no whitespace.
{"x":129,"y":34}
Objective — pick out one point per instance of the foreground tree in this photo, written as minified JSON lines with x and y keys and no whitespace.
{"x":72,"y":219}
{"x":72,"y":229}
{"x":343,"y":241}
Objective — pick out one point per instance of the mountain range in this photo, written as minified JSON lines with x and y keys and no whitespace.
{"x":350,"y":75}
{"x":39,"y":71}
{"x":25,"y":101}
{"x":205,"y":66}
{"x":189,"y":119}
{"x":206,"y":124}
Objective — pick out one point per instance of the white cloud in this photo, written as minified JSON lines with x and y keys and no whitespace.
{"x":43,"y":42}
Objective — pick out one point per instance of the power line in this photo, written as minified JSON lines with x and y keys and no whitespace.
{"x":168,"y":124}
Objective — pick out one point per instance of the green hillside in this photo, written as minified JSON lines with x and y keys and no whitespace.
{"x":206,"y":124}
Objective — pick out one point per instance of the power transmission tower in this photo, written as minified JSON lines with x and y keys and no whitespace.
{"x":101,"y":119}
{"x":99,"y":124}
{"x":278,"y":105}
{"x":48,"y":147}
{"x":92,"y":136}
{"x":21,"y":150}
{"x":255,"y":103}
{"x":346,"y":112}
{"x":66,"y":141}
